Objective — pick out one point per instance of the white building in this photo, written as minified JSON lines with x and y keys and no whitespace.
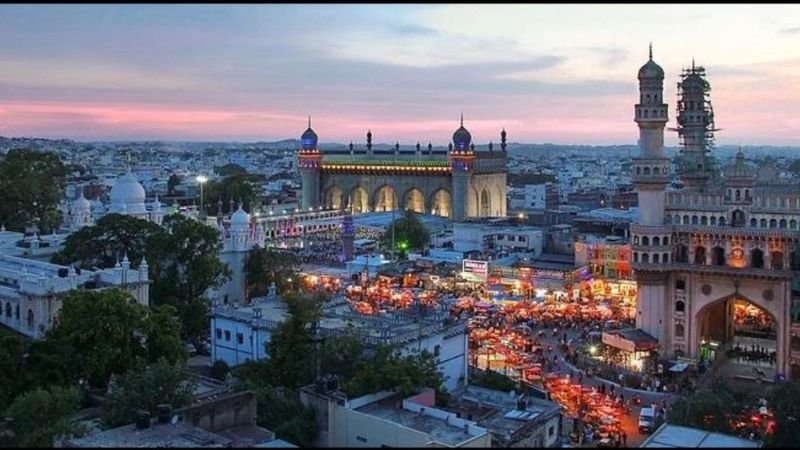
{"x":31,"y":291}
{"x":535,"y":196}
{"x":240,"y":333}
{"x":477,"y":236}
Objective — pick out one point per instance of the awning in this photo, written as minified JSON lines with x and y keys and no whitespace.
{"x":680,"y":367}
{"x":630,"y":340}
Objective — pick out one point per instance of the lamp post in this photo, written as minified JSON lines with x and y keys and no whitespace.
{"x":201,"y":180}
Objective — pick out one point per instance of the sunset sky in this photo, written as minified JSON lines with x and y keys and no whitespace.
{"x":547,"y":73}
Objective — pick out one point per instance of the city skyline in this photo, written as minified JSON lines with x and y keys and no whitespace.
{"x":563,"y":74}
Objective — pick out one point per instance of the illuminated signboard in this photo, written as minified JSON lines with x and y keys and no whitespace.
{"x":477,"y":268}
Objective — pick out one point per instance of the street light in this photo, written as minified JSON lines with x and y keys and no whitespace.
{"x":201,"y":180}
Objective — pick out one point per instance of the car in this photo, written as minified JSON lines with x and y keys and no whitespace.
{"x":647,"y":420}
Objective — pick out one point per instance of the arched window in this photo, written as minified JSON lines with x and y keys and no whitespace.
{"x":695,"y":220}
{"x":9,"y":310}
{"x":704,"y":220}
{"x":645,"y":114}
{"x":773,"y":223}
{"x":668,"y":220}
{"x":737,"y":218}
{"x":437,"y":350}
{"x":719,"y":256}
{"x":646,"y":169}
{"x":680,"y":284}
{"x":682,"y":254}
{"x":782,"y":224}
{"x":645,"y":258}
{"x":721,"y":221}
{"x":655,"y":258}
{"x":656,"y":241}
{"x":636,"y":257}
{"x":665,"y":258}
{"x":738,"y":194}
{"x":763,"y":223}
{"x":665,"y":241}
{"x":747,"y":194}
{"x":645,"y":240}
{"x":777,"y":260}
{"x":792,"y":224}
{"x":753,"y":223}
{"x":676,"y":219}
{"x":700,"y":255}
{"x":686,"y":220}
{"x":757,"y":258}
{"x":638,"y":170}
{"x":713,"y":221}
{"x":680,"y":306}
{"x":636,"y":240}
{"x":30,"y":319}
{"x":679,"y":330}
{"x":648,"y":99}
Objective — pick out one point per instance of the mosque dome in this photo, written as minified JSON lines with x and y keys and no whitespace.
{"x":129,"y":192}
{"x":740,"y":169}
{"x":240,"y":217}
{"x":309,"y":138}
{"x":650,"y":70}
{"x":462,"y":138}
{"x":81,"y":205}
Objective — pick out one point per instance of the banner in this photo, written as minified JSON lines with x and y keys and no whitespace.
{"x":478,"y":268}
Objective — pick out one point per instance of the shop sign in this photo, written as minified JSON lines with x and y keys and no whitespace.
{"x":477,"y":268}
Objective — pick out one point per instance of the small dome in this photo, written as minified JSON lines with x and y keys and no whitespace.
{"x":740,"y":168}
{"x":309,"y":139}
{"x":240,"y":217}
{"x":652,"y":71}
{"x":462,"y":138}
{"x":128,"y":192}
{"x":81,"y":204}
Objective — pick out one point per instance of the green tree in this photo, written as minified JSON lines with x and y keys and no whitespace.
{"x":284,"y":413}
{"x":784,"y":400}
{"x":290,"y":350}
{"x":146,"y":388}
{"x":238,"y":188}
{"x":265,"y":266}
{"x":106,"y":332}
{"x":172,"y":183}
{"x":341,"y":356}
{"x":11,"y":350}
{"x":409,"y":234}
{"x":40,"y":416}
{"x":711,"y":409}
{"x":31,"y":185}
{"x":230,"y":169}
{"x":220,"y":370}
{"x":106,"y":242}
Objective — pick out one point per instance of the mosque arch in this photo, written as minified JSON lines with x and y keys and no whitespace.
{"x":414,"y":200}
{"x":485,"y":203}
{"x":757,"y":258}
{"x":441,"y":203}
{"x":385,"y":198}
{"x":334,"y":198}
{"x":359,"y":200}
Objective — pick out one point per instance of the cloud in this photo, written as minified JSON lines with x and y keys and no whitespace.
{"x":413,"y":30}
{"x":792,"y":30}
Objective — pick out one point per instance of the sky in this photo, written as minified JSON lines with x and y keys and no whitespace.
{"x":562,"y":74}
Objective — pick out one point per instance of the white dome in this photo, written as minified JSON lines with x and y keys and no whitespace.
{"x":81,"y":205}
{"x":240,"y":217}
{"x":128,"y":192}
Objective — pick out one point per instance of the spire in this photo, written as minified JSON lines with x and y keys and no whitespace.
{"x":309,"y":121}
{"x":651,"y":51}
{"x":693,"y":63}
{"x":462,"y":118}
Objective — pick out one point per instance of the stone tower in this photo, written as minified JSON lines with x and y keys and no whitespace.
{"x":309,"y":160}
{"x":695,"y":128}
{"x":462,"y":157}
{"x":348,"y":236}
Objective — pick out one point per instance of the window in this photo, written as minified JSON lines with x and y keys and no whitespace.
{"x":437,"y":350}
{"x":704,"y":220}
{"x":700,"y":255}
{"x":713,"y":221}
{"x":227,"y":335}
{"x":219,"y":333}
{"x":656,"y":241}
{"x":646,"y":258}
{"x":680,"y":284}
{"x":551,"y":431}
{"x":763,"y":223}
{"x":645,"y":240}
{"x":679,"y":330}
{"x":655,"y":258}
{"x":757,"y":259}
{"x":777,"y":260}
{"x":753,"y":223}
{"x":239,"y":338}
{"x":719,"y":256}
{"x":680,"y":306}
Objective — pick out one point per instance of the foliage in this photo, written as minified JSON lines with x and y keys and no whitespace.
{"x":146,"y":388}
{"x":341,"y":356}
{"x":710,"y":410}
{"x":389,"y":370}
{"x":105,"y":332}
{"x":265,"y":266}
{"x":11,"y":350}
{"x":220,"y":370}
{"x":172,"y":183}
{"x":238,"y":188}
{"x":284,"y":413}
{"x":410,"y":234}
{"x":784,"y":400}
{"x":230,"y":169}
{"x":31,"y":185}
{"x":492,"y":380}
{"x":40,"y":416}
{"x":291,"y":350}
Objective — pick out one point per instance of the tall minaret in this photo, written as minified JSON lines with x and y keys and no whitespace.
{"x":461,"y":158}
{"x":651,"y":168}
{"x":651,"y":176}
{"x":309,"y":159}
{"x":695,"y":127}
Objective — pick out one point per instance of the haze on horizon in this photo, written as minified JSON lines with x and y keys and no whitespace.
{"x":563,"y":74}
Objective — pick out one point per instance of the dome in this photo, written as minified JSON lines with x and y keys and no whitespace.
{"x":308,"y":140}
{"x":129,"y":193}
{"x":240,"y":217}
{"x":740,"y":169}
{"x":462,"y":138}
{"x":81,"y":205}
{"x":651,"y":70}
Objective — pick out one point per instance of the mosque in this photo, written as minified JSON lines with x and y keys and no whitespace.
{"x":457,"y":183}
{"x":715,"y":260}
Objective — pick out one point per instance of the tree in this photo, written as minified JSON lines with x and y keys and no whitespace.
{"x":106,"y":242}
{"x":341,"y":356}
{"x":40,"y":416}
{"x":238,"y":188}
{"x":31,"y":185}
{"x":230,"y":169}
{"x":11,"y":382}
{"x":220,"y":370}
{"x":290,"y":350}
{"x":106,"y":332}
{"x":172,"y":183}
{"x":146,"y":388}
{"x":784,"y":400}
{"x":409,"y":234}
{"x":265,"y":266}
{"x":710,"y":410}
{"x":284,"y":413}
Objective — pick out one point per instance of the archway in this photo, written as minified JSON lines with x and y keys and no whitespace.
{"x":385,"y":199}
{"x":485,"y":203}
{"x":334,"y":197}
{"x":746,"y":331}
{"x":359,"y":200}
{"x":415,"y":201}
{"x":442,"y":204}
{"x":757,"y":258}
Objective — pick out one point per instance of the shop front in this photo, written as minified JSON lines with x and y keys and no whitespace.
{"x":631,"y":349}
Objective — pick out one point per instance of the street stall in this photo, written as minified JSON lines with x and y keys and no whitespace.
{"x":630,"y":348}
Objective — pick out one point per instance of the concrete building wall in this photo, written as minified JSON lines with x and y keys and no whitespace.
{"x":252,"y":347}
{"x":355,"y":429}
{"x":452,"y":357}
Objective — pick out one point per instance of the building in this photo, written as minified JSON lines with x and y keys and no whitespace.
{"x":31,"y":292}
{"x":513,"y":421}
{"x":497,"y":237}
{"x":458,"y":183}
{"x":240,"y":333}
{"x":386,"y":419}
{"x":674,"y":436}
{"x":225,"y":422}
{"x":715,"y":260}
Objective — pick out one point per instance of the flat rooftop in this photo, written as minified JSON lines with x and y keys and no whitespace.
{"x":384,"y":219}
{"x":157,"y":435}
{"x":674,"y":436}
{"x":437,"y":429}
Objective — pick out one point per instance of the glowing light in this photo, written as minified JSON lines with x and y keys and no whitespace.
{"x":593,"y":349}
{"x":202,"y":179}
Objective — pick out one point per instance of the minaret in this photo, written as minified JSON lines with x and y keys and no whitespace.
{"x":309,"y":159}
{"x":503,"y":140}
{"x":651,"y":168}
{"x":369,"y":142}
{"x":695,"y":127}
{"x":348,"y":236}
{"x":461,"y":158}
{"x":650,"y":178}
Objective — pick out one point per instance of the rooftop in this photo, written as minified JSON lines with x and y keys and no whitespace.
{"x":157,"y":435}
{"x":384,"y":219}
{"x":674,"y":436}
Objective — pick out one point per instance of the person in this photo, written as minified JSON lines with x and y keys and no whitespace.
{"x":624,"y":438}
